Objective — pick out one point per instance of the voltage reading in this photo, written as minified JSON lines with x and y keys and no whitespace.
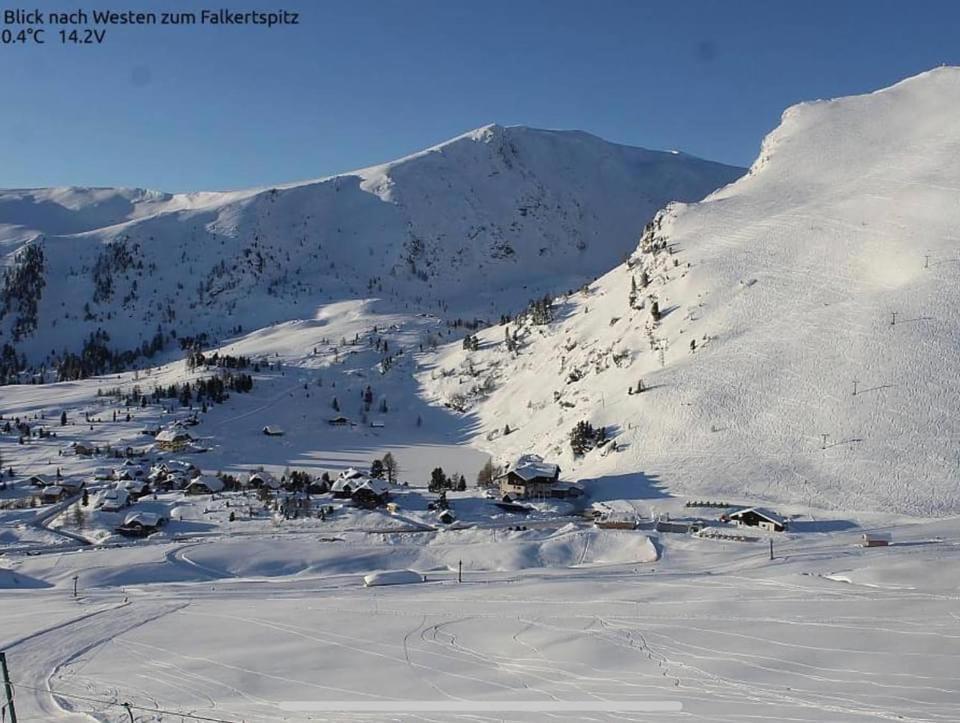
{"x":37,"y":36}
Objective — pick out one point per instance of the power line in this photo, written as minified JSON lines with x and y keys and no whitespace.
{"x":129,"y":706}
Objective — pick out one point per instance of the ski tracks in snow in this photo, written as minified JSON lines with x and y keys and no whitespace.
{"x":38,"y":661}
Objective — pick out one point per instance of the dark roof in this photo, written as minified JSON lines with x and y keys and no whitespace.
{"x":760,"y":512}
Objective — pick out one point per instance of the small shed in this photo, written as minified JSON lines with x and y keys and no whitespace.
{"x":272,"y":430}
{"x":52,"y":494}
{"x":875,"y":539}
{"x":38,"y":480}
{"x":339,"y":421}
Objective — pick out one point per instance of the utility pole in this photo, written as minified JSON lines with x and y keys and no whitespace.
{"x":460,"y":571}
{"x":8,"y":687}
{"x":771,"y":548}
{"x":75,"y":579}
{"x":824,"y":446}
{"x":855,"y":382}
{"x":926,"y":261}
{"x":893,"y":318}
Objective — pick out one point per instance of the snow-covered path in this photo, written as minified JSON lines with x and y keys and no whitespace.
{"x":42,"y":693}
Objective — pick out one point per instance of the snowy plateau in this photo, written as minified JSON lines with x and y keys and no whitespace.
{"x":527,"y":426}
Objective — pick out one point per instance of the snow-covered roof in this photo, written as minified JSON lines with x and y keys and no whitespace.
{"x":341,"y":483}
{"x":272,"y":429}
{"x":214,"y":484}
{"x":350,"y":473}
{"x":377,"y":486}
{"x":761,"y":511}
{"x":175,"y":465}
{"x":264,"y":478}
{"x":146,"y":519}
{"x":532,"y":466}
{"x":173,"y":435}
{"x":52,"y":490}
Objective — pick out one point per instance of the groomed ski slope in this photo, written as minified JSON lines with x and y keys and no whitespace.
{"x":789,"y":282}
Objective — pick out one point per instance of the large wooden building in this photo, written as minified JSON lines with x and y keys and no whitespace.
{"x":530,"y":477}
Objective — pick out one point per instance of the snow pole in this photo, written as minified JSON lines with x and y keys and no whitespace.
{"x":460,"y":571}
{"x":7,"y":687}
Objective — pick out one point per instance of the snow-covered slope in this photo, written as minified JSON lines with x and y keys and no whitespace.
{"x":486,"y":220}
{"x":832,"y":266}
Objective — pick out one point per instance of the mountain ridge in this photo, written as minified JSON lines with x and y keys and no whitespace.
{"x":525,"y":211}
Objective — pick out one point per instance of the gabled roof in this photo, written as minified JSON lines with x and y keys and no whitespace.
{"x":52,"y":490}
{"x":173,"y":435}
{"x":264,"y":478}
{"x":377,"y":486}
{"x":759,"y":511}
{"x":214,"y":484}
{"x":350,"y":473}
{"x":532,"y":466}
{"x":175,"y":464}
{"x":341,"y":483}
{"x":140,"y":517}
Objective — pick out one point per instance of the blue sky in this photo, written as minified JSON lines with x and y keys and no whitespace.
{"x":360,"y":82}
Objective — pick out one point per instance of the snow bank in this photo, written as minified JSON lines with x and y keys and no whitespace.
{"x":393,"y":577}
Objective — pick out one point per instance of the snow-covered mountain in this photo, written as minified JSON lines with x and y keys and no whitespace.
{"x":806,"y":349}
{"x":474,"y":225}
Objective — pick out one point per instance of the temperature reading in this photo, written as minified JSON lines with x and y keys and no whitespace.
{"x":22,"y":37}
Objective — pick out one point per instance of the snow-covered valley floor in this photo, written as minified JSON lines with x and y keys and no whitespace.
{"x":715,"y":627}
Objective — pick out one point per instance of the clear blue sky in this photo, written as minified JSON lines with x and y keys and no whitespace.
{"x":361,"y":81}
